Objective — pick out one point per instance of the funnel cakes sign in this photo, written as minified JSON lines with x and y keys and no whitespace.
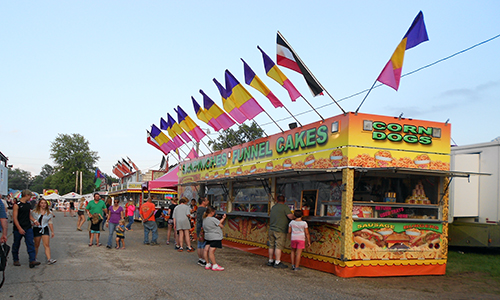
{"x":340,"y":141}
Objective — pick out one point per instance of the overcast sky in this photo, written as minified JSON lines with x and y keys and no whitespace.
{"x":109,"y":69}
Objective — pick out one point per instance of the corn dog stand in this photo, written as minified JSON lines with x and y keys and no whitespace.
{"x":374,"y":190}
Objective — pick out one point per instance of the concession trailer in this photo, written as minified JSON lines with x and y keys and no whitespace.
{"x":374,"y":190}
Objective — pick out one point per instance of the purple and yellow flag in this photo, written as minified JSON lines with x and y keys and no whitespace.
{"x":176,"y":140}
{"x":254,"y":81}
{"x":391,"y":74}
{"x":229,"y":105}
{"x":275,"y":73}
{"x":216,"y":113}
{"x":202,"y":114}
{"x":241,"y":97}
{"x":189,"y":125}
{"x":162,"y":139}
{"x":177,"y":129}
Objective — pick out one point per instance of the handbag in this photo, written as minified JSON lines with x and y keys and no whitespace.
{"x":4,"y":254}
{"x":201,"y":236}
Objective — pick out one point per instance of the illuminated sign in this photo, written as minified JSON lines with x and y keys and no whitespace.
{"x":395,"y":132}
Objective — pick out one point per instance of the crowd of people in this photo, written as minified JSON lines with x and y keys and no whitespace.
{"x":189,"y":222}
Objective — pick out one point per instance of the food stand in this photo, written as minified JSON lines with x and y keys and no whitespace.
{"x":374,"y":190}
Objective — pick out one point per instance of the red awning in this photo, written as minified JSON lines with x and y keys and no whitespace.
{"x":168,"y":180}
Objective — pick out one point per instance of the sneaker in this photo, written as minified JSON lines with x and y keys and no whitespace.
{"x":217,"y":268}
{"x":146,"y":243}
{"x":177,"y":247}
{"x":270,"y":263}
{"x":108,"y":246}
{"x":16,"y":263}
{"x":154,"y":244}
{"x":190,"y":249}
{"x":180,"y":249}
{"x":280,"y":266}
{"x":297,"y":269}
{"x":168,"y":243}
{"x":202,"y":263}
{"x":34,"y":264}
{"x":52,"y":261}
{"x":208,"y":266}
{"x":293,"y":267}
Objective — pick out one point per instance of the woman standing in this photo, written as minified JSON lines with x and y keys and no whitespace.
{"x":213,"y":237}
{"x":115,"y":214}
{"x":181,"y":216}
{"x":130,"y":210}
{"x":106,"y":214}
{"x":81,"y":214}
{"x":44,"y":231}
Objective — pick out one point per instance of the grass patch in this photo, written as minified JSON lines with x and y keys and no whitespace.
{"x":463,"y":261}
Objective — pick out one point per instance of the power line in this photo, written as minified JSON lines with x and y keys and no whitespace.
{"x":406,"y":74}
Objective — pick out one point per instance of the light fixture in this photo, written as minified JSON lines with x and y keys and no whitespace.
{"x":436,"y":132}
{"x":367,"y":125}
{"x":292,"y":125}
{"x":335,"y":126}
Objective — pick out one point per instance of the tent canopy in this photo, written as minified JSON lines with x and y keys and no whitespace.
{"x":168,"y":180}
{"x":53,"y":196}
{"x":72,"y":195}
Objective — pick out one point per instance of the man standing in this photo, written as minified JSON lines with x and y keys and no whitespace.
{"x":147,"y":212}
{"x":95,"y":207}
{"x":278,"y":228}
{"x":22,"y":228}
{"x":202,"y":207}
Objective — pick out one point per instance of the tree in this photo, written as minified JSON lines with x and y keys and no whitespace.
{"x":71,"y":153}
{"x":229,"y":138}
{"x":38,"y":183}
{"x":19,"y":179}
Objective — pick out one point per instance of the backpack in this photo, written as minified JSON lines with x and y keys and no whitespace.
{"x":4,"y":253}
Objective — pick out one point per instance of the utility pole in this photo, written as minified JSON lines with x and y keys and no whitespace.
{"x":76,"y":182}
{"x":81,"y":183}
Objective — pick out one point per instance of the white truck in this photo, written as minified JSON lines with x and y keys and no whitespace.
{"x":474,"y":218}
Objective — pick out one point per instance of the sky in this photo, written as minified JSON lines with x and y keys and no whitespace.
{"x":108,"y":70}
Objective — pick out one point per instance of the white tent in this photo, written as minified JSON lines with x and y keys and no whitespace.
{"x":53,"y":196}
{"x":72,"y":195}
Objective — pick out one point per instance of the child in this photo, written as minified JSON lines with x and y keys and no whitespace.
{"x":213,"y":237}
{"x":300,"y":235}
{"x":120,"y":234}
{"x":95,"y":229}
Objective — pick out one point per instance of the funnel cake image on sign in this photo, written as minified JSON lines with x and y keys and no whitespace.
{"x":287,"y":163}
{"x":422,"y":161}
{"x":226,"y":173}
{"x":239,"y":171}
{"x":383,"y":159}
{"x":309,"y":160}
{"x":216,"y":174}
{"x":269,"y":166}
{"x":253,"y":169}
{"x":337,"y":158}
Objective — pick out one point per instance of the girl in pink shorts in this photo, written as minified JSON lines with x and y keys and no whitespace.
{"x":300,"y":235}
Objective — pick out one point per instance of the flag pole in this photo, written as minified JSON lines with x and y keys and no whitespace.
{"x":273,"y":121}
{"x":292,"y":115}
{"x":357,"y":109}
{"x":314,"y":77}
{"x":259,"y":127}
{"x":312,"y":107}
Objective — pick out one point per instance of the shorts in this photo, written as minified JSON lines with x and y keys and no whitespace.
{"x":170,"y":222}
{"x":202,"y":245}
{"x":277,"y":240}
{"x":81,"y":213}
{"x":214,"y":244}
{"x":298,"y":244}
{"x":37,"y":231}
{"x":120,"y":237}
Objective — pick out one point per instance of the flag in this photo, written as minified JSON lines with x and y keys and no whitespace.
{"x":132,"y":163}
{"x":254,"y":81}
{"x":275,"y":73}
{"x":189,"y":125}
{"x":176,"y":140}
{"x":214,"y":111}
{"x":192,"y":154}
{"x":391,"y":74}
{"x":229,"y":105}
{"x":118,"y":172}
{"x":162,"y":139}
{"x":129,"y":167}
{"x":286,"y":57}
{"x":122,"y":168}
{"x":202,"y":114}
{"x":241,"y":97}
{"x":97,"y":178}
{"x":177,"y":129}
{"x":153,"y":142}
{"x":163,"y":163}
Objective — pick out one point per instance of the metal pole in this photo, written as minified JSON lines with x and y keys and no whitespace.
{"x":81,"y":182}
{"x":273,"y":121}
{"x":312,"y":107}
{"x":76,"y":181}
{"x":292,"y":115}
{"x":366,"y":96}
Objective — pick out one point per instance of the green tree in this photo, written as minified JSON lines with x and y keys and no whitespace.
{"x":71,"y":153}
{"x":19,"y":179}
{"x":229,"y":138}
{"x":38,"y":183}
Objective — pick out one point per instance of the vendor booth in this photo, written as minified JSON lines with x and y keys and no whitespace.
{"x":374,"y":190}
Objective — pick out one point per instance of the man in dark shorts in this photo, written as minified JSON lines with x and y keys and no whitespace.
{"x":278,"y":228}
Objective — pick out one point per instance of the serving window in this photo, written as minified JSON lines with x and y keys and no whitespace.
{"x":250,"y":197}
{"x":217,"y":196}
